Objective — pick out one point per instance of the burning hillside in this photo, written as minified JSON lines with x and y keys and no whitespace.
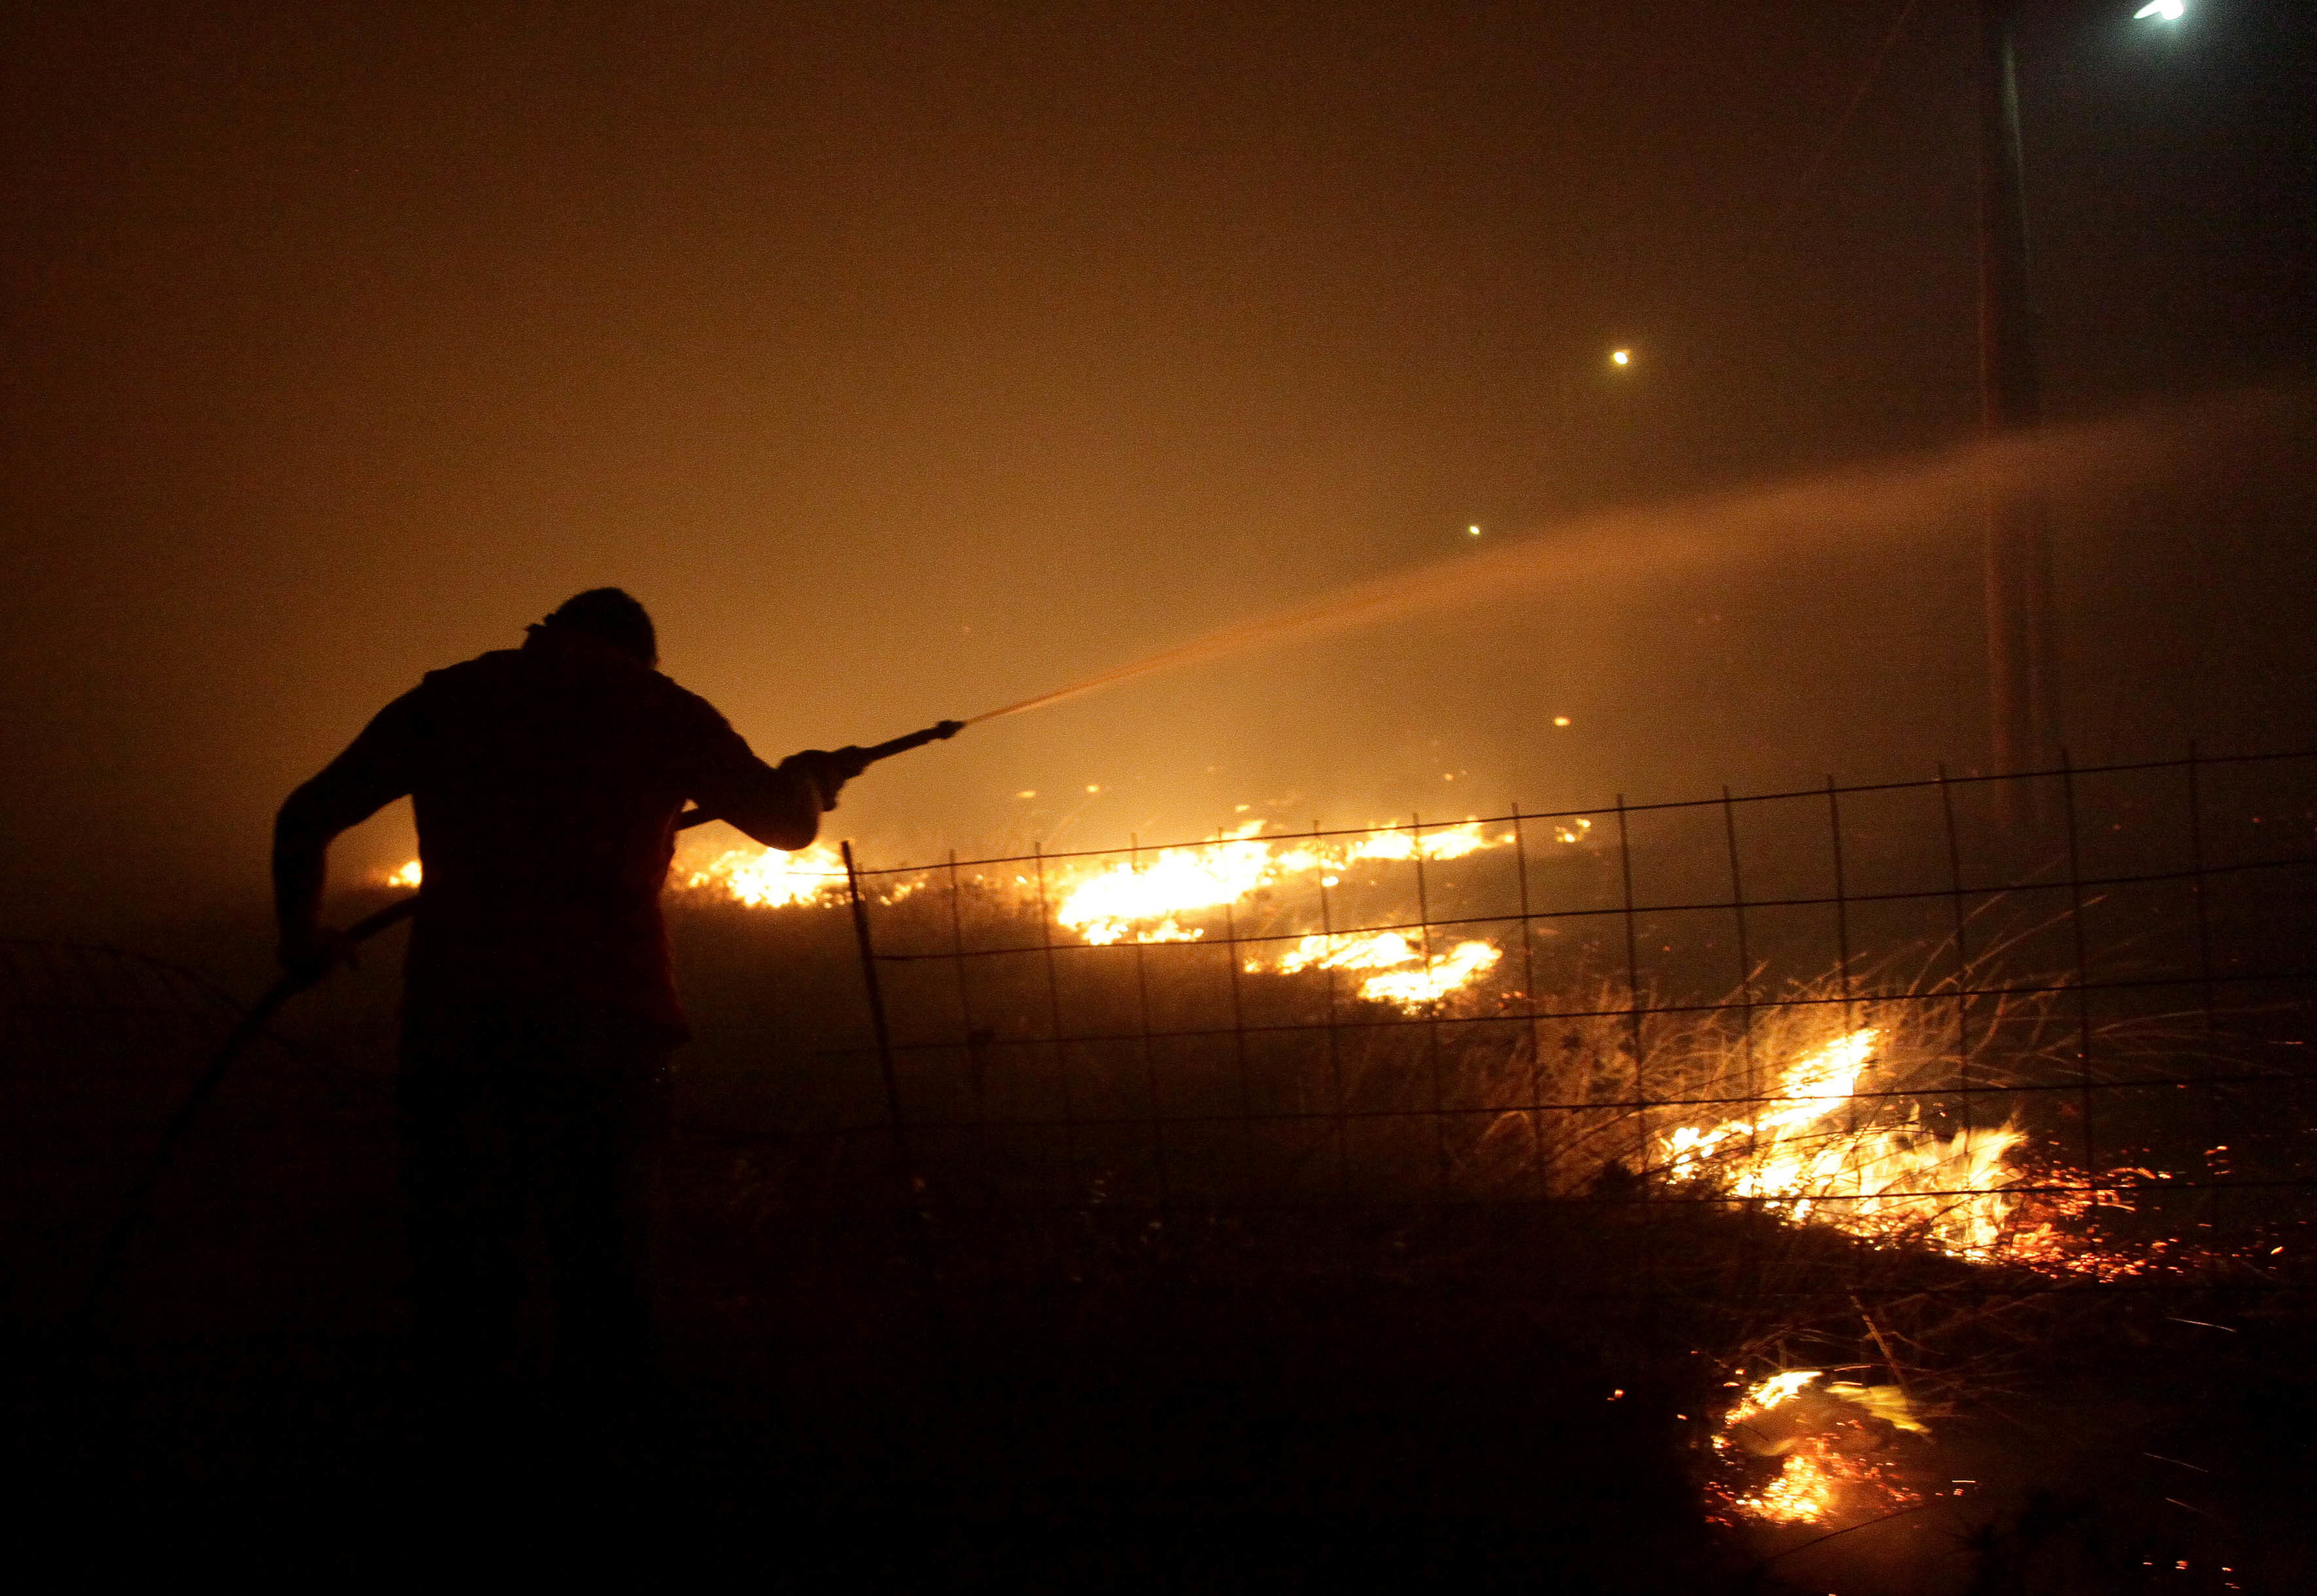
{"x":1819,"y":1113}
{"x":1160,"y":899}
{"x":1798,"y":1139}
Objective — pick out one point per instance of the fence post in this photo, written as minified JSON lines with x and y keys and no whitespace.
{"x":2216,"y":1134}
{"x":905,"y":1166}
{"x":2084,"y":1085}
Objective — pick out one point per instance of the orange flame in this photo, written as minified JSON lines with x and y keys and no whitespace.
{"x":768,"y":878}
{"x":1823,"y":1451}
{"x":1815,"y":1152}
{"x":1146,"y":902}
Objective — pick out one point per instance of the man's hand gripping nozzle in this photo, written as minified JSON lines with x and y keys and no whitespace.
{"x":829,"y":770}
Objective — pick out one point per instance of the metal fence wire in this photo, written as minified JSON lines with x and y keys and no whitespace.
{"x":2061,"y":1017}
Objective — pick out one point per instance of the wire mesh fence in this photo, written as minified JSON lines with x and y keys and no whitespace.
{"x":1827,"y":1121}
{"x":1824,"y":1124}
{"x":2056,"y":1020}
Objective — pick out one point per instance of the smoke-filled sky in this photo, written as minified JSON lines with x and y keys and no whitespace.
{"x":908,"y":361}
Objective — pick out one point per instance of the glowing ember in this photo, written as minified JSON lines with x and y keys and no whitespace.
{"x":1800,"y":1495}
{"x":1824,"y":1439}
{"x":1770,"y":1393}
{"x":409,"y":875}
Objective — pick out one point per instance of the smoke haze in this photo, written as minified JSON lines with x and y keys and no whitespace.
{"x":908,"y":363}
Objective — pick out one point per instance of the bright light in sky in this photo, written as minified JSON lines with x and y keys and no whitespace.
{"x":1474,"y":530}
{"x":1621,"y":357}
{"x":2170,"y":10}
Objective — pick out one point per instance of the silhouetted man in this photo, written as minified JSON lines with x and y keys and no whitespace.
{"x":540,"y":1008}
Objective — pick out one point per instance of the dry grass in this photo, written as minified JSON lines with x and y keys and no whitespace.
{"x":1238,"y":1134}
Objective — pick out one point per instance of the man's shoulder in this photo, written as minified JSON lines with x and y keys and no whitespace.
{"x":688,"y":705}
{"x":498,"y":664}
{"x":512,"y":668}
{"x":515,"y":670}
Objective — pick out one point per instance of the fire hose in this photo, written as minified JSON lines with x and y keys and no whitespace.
{"x":851,"y":760}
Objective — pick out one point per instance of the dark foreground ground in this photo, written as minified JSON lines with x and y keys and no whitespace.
{"x":1152,"y":1424}
{"x":1414,"y":1401}
{"x":1071,"y":1398}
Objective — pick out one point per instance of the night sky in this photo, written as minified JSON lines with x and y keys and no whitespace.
{"x":908,"y":361}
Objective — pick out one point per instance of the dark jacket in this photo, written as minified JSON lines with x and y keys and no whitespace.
{"x":546,"y":781}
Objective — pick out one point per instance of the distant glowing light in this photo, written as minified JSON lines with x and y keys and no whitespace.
{"x":1561,"y":721}
{"x":1474,"y":530}
{"x":1094,"y":787}
{"x":1027,"y":792}
{"x":1620,"y":357}
{"x":2167,"y":11}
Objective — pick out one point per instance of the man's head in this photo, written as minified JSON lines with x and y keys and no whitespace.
{"x":609,"y":615}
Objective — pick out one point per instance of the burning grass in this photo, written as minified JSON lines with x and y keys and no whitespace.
{"x":1860,"y":1196}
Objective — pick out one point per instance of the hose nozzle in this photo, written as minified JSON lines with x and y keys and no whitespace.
{"x":857,"y":760}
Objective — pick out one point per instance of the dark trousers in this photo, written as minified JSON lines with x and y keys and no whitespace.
{"x":517,"y":1126}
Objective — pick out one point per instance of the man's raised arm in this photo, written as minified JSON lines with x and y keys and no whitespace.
{"x":779,"y":805}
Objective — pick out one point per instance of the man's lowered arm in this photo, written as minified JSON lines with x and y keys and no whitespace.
{"x":372,"y":773}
